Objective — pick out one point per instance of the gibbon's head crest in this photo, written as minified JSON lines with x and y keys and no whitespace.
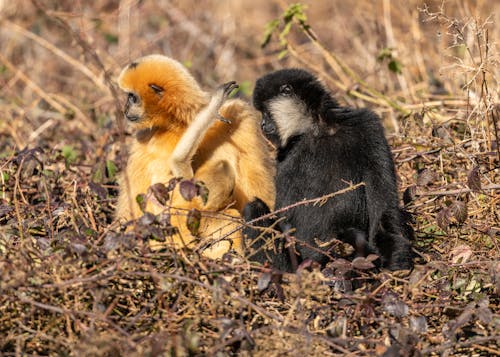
{"x":289,"y":100}
{"x":160,"y":92}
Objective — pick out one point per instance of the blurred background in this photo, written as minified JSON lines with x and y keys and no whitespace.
{"x":54,"y":54}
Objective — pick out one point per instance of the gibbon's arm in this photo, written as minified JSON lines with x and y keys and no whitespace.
{"x":180,"y":160}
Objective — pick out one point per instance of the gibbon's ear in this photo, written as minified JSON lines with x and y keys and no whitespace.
{"x":157,"y":89}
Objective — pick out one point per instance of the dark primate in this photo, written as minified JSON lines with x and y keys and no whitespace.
{"x":321,"y":148}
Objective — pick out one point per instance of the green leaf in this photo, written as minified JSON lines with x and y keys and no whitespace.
{"x":193,"y":221}
{"x":384,"y":53}
{"x":246,"y":88}
{"x":202,"y":191}
{"x":271,"y":26}
{"x":282,"y":54}
{"x":295,"y":11}
{"x":395,"y":66}
{"x":284,"y":33}
{"x":69,"y":154}
{"x":111,"y":38}
{"x":98,"y":176}
{"x":111,"y":169}
{"x":141,"y":201}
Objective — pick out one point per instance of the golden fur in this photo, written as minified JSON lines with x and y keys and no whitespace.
{"x":177,"y":134}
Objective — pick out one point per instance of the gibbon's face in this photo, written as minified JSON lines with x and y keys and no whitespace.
{"x":158,"y":89}
{"x":289,"y":101}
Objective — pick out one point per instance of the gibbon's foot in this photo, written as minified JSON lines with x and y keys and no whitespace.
{"x":221,"y":96}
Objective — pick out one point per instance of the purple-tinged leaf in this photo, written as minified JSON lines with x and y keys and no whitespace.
{"x":362,"y":263}
{"x":458,"y":211}
{"x":474,"y":180}
{"x":426,"y":177}
{"x":160,"y":193}
{"x":188,"y":189}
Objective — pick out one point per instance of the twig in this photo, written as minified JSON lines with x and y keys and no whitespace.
{"x":316,"y":200}
{"x":257,"y":308}
{"x":458,"y":191}
{"x":89,"y":52}
{"x":455,"y":345}
{"x":71,"y":313}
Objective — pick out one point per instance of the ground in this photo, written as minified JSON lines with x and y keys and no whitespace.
{"x":74,"y":282}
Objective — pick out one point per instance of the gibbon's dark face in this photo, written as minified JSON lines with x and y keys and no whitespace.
{"x":289,"y":100}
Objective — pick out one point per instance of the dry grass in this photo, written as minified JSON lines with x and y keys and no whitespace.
{"x":73,"y":283}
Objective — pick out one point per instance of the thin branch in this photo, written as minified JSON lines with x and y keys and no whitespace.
{"x":458,"y":191}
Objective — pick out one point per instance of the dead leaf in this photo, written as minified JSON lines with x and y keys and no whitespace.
{"x":394,"y":306}
{"x":443,"y":218}
{"x":461,"y":254}
{"x":426,"y":177}
{"x":474,"y":180}
{"x":264,"y":280}
{"x":458,"y":211}
{"x":160,"y":193}
{"x":362,"y":263}
{"x":409,"y":194}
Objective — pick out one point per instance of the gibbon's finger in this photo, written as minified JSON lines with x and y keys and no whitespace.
{"x":222,"y":119}
{"x":229,"y":87}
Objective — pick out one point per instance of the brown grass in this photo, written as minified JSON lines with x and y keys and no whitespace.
{"x":73,"y":283}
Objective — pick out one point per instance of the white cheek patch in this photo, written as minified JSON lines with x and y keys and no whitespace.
{"x":291,"y":117}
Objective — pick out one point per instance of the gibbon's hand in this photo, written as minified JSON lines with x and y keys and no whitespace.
{"x":222,"y":94}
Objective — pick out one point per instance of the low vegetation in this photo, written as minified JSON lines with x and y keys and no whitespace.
{"x":74,"y":282}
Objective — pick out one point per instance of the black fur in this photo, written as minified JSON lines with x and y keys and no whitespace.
{"x":339,"y":145}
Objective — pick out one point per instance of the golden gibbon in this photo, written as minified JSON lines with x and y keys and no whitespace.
{"x":177,"y":134}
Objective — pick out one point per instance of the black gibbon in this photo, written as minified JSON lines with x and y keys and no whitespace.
{"x":177,"y":134}
{"x":321,"y":148}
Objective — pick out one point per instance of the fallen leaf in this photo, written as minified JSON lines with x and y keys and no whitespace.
{"x":461,"y":254}
{"x":394,"y":306}
{"x":264,"y":280}
{"x":474,"y":180}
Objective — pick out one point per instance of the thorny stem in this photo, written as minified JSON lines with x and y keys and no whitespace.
{"x":318,"y":200}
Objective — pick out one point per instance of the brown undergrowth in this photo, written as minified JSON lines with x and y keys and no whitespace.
{"x":73,"y":282}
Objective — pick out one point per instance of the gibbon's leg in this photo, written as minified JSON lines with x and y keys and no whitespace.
{"x":222,"y":233}
{"x":394,"y":241}
{"x":357,"y":238}
{"x":264,"y":246}
{"x":180,"y":160}
{"x":220,"y":179}
{"x":215,"y":226}
{"x":256,"y":239}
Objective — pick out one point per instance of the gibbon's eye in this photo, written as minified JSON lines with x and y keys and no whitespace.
{"x":286,"y":90}
{"x":156,"y":89}
{"x":133,"y":98}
